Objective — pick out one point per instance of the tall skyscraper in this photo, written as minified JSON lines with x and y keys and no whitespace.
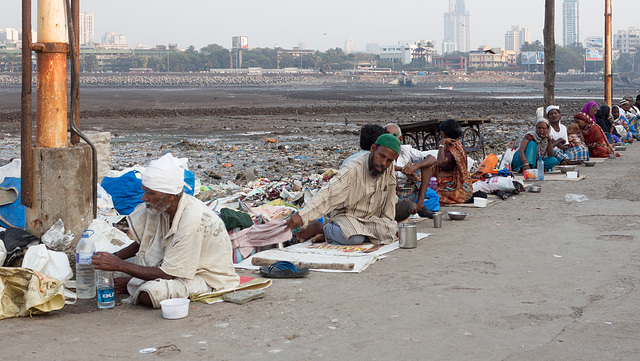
{"x":86,"y":28}
{"x":570,"y":22}
{"x":456,"y":28}
{"x":515,"y":37}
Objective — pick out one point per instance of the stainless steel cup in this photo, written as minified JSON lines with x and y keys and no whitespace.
{"x":407,"y":235}
{"x":437,"y":220}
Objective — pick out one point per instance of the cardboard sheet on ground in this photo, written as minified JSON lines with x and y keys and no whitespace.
{"x":246,"y":283}
{"x":552,"y":177}
{"x":324,"y":257}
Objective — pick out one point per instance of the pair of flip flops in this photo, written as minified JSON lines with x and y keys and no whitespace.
{"x":283,"y":269}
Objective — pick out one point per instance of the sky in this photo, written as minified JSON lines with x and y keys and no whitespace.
{"x":325,"y":24}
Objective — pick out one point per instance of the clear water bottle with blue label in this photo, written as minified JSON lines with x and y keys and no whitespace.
{"x":104,"y":286}
{"x":85,"y":274}
{"x":540,"y":168}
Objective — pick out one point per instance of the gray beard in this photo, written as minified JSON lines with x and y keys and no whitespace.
{"x":372,"y":170}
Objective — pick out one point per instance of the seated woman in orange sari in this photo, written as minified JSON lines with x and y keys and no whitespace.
{"x":450,"y":167}
{"x":594,"y":137}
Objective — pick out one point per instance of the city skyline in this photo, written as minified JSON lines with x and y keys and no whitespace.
{"x":286,"y":24}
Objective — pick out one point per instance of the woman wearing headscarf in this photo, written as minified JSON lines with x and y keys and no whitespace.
{"x":535,"y":143}
{"x":590,"y":110}
{"x":621,"y":123}
{"x":602,"y":119}
{"x":594,"y":137}
{"x":558,"y":133}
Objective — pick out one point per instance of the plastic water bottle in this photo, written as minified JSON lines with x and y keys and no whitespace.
{"x":104,"y":286}
{"x":85,"y":274}
{"x":433,"y":183}
{"x":540,"y":168}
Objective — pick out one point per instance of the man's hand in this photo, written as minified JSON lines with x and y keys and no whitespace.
{"x":120,"y":284}
{"x":106,"y":261}
{"x":294,"y":222}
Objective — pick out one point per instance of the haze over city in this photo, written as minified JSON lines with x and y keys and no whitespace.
{"x":327,"y":24}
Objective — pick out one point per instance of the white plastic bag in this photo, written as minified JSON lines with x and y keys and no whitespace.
{"x":3,"y":253}
{"x":51,"y":263}
{"x":575,"y":198}
{"x":107,"y":238}
{"x":56,"y":239}
{"x":494,"y":184}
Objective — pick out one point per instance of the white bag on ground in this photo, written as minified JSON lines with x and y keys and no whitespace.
{"x":56,"y":239}
{"x":107,"y":238}
{"x":494,"y":184}
{"x":48,"y":262}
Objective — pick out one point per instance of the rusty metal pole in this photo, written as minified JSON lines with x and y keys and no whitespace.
{"x":26,"y":122}
{"x":608,"y":75}
{"x":75,"y":78}
{"x":51,"y":93}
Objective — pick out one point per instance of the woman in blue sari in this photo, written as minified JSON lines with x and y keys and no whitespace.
{"x":535,"y":143}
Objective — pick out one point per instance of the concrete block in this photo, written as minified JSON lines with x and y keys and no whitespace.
{"x":62,"y":190}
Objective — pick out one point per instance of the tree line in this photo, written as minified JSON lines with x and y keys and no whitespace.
{"x":215,"y":56}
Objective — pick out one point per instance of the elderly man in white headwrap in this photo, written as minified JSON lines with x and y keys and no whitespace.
{"x":181,"y":247}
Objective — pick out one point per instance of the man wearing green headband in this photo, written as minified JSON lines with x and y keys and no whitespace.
{"x":358,"y":204}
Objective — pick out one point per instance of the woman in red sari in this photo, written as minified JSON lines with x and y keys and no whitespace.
{"x":449,"y":167}
{"x":454,"y":181}
{"x":594,"y":137}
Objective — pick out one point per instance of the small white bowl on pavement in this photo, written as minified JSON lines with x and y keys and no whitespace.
{"x":175,"y":308}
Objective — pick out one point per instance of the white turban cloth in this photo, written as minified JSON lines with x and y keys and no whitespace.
{"x":550,"y":107}
{"x":165,"y":175}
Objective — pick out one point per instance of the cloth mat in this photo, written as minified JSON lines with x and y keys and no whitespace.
{"x":324,"y":257}
{"x":246,"y":283}
{"x":471,"y":205}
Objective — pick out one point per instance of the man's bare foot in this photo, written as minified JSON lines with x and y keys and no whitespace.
{"x":318,"y":238}
{"x":564,"y":161}
{"x":314,"y":228}
{"x":120,"y":284}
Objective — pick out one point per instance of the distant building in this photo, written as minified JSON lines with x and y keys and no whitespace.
{"x":12,"y":38}
{"x":515,"y":37}
{"x":87,"y":33}
{"x":570,"y":22}
{"x":451,"y":63}
{"x":456,"y":28}
{"x":627,"y":41}
{"x":405,"y":52}
{"x":348,"y":46}
{"x":372,"y":48}
{"x":486,"y":57}
{"x":111,"y":40}
{"x":302,"y":45}
{"x":9,"y":35}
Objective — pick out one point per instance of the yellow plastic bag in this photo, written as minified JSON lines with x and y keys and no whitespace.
{"x":24,"y":292}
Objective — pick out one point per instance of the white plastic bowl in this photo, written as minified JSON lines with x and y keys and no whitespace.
{"x":175,"y":308}
{"x":572,"y":175}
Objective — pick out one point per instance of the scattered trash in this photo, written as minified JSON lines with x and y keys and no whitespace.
{"x":557,"y":256}
{"x":270,"y":140}
{"x":56,"y":239}
{"x":575,"y":198}
{"x":148,"y":350}
{"x":607,"y":323}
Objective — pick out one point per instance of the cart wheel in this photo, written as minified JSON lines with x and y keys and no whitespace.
{"x":412,"y":140}
{"x":429,"y":142}
{"x":473,"y":145}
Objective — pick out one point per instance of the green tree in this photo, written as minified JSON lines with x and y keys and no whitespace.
{"x":534,"y":46}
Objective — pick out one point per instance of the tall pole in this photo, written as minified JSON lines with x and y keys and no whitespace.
{"x":26,"y":123}
{"x":549,"y":52}
{"x":608,"y":75}
{"x":51,"y":94}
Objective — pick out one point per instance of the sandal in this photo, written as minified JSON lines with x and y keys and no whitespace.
{"x":283,"y":269}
